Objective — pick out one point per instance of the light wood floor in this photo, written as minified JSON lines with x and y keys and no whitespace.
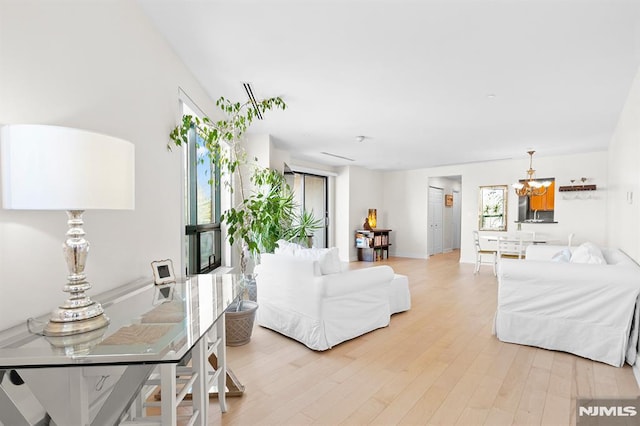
{"x":435,"y":364}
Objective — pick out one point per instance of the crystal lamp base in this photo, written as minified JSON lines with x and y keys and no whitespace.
{"x":78,"y":314}
{"x":67,"y":328}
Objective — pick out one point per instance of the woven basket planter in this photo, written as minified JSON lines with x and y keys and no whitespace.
{"x":239,"y":324}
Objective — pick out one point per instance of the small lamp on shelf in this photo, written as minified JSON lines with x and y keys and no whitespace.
{"x":60,"y":168}
{"x":373,"y":219}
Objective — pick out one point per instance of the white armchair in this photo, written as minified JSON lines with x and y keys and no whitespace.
{"x":298,"y":301}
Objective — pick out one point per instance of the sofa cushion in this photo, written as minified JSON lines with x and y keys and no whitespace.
{"x":287,"y":247}
{"x":563,"y":255}
{"x":588,"y":253}
{"x":328,"y":258}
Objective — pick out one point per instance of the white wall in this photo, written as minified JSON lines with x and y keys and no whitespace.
{"x":405,"y":202}
{"x":342,"y":218}
{"x":364,"y":193}
{"x":356,"y":191}
{"x":624,"y":177}
{"x":405,"y":195}
{"x":97,"y":66}
{"x":278,"y":158}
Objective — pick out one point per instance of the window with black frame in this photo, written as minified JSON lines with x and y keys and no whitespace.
{"x":203,"y":233}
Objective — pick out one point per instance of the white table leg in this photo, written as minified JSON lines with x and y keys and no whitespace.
{"x":9,"y":409}
{"x":222,"y":363}
{"x":200,"y":397}
{"x":168,"y":386}
{"x":61,"y":391}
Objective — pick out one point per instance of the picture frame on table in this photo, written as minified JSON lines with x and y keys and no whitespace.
{"x":163,"y":272}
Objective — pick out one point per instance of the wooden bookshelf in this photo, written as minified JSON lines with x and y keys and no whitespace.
{"x":372,"y":244}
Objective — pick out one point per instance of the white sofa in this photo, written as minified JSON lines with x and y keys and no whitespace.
{"x":320,"y":308}
{"x":588,"y":309}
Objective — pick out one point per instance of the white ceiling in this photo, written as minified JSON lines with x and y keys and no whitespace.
{"x":429,"y":82}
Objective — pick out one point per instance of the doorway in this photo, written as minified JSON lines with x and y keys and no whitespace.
{"x":444,"y":216}
{"x":311,"y":194}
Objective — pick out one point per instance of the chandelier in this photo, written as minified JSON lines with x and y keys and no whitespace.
{"x":530,"y":186}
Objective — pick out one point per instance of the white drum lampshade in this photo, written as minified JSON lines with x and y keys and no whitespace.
{"x":59,"y":168}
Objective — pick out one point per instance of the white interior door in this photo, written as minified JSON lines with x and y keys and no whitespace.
{"x":456,"y":220}
{"x":434,"y":235}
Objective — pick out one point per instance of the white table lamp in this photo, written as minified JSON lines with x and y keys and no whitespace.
{"x":59,"y":168}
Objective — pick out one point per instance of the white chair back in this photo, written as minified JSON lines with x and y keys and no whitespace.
{"x":511,"y":247}
{"x":476,"y":240}
{"x":483,"y":252}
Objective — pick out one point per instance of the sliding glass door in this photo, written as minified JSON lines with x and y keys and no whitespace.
{"x":311,"y":194}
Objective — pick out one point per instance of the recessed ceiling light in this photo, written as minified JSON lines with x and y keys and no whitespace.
{"x":491,"y":96}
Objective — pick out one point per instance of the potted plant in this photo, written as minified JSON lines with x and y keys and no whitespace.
{"x":269,"y":214}
{"x":221,"y":140}
{"x":264,"y":214}
{"x":303,"y":228}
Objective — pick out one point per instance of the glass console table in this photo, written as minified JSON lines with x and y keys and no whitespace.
{"x":96,"y":377}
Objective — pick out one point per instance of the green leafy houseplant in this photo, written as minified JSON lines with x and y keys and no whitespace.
{"x":267,"y":215}
{"x":268,"y":212}
{"x":303,"y":228}
{"x":261,"y":217}
{"x":222,"y":138}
